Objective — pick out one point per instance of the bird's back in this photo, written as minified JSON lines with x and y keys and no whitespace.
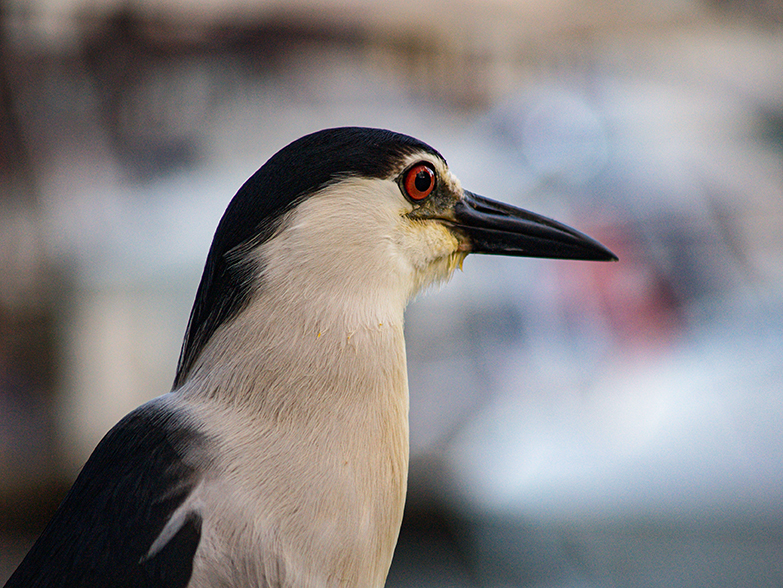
{"x":102,"y":532}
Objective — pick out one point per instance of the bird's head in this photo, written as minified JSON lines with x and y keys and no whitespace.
{"x":350,"y":215}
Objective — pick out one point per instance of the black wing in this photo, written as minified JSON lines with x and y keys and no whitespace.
{"x":101,"y":534}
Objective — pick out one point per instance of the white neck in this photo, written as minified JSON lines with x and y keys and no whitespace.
{"x":310,"y":379}
{"x":280,"y":355}
{"x":306,"y":389}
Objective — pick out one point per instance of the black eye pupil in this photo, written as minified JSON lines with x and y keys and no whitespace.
{"x":422,"y":181}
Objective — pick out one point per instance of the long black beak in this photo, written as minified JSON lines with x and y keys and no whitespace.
{"x":499,"y":229}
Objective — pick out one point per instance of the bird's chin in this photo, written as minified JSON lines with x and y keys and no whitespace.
{"x":439,"y":271}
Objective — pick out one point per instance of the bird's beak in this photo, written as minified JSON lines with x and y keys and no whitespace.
{"x":500,"y":229}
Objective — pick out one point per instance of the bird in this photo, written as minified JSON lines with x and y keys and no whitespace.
{"x":279,"y":458}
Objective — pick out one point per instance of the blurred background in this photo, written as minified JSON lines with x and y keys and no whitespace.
{"x":573,"y":424}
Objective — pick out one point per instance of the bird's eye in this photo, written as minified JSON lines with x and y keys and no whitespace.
{"x":419,"y":181}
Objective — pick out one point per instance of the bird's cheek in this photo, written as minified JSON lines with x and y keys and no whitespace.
{"x":427,"y":243}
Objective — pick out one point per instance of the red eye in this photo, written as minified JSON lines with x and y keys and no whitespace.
{"x":419,"y":181}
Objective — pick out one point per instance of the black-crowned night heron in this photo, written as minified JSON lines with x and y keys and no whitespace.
{"x":280,"y":457}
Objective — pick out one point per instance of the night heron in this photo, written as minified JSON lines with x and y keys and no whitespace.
{"x":280,"y":456}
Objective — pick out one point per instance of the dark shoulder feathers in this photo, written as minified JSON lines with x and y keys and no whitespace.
{"x":291,"y":175}
{"x":102,"y":532}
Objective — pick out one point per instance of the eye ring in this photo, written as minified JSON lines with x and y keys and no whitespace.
{"x":419,"y":181}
